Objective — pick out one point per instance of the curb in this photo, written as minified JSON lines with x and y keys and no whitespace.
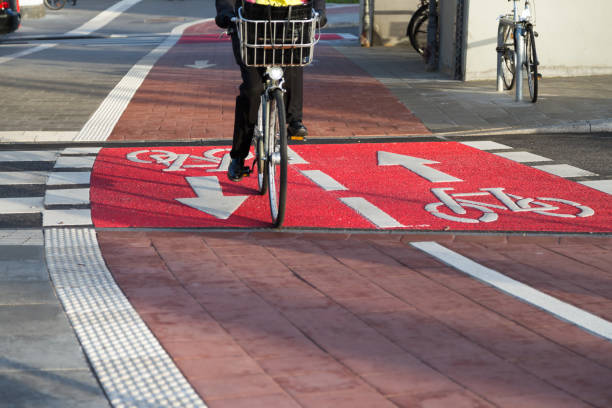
{"x":580,"y":127}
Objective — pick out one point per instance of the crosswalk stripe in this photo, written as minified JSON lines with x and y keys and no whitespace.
{"x":72,"y":196}
{"x":75,"y":162}
{"x":69,"y":217}
{"x":564,"y":170}
{"x":21,"y":205}
{"x":28,"y":155}
{"x":67,"y":178}
{"x":22,"y":177}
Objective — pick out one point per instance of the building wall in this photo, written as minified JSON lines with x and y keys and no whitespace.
{"x":574,"y":37}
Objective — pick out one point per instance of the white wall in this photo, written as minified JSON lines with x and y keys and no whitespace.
{"x":574,"y":37}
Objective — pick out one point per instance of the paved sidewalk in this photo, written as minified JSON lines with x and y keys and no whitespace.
{"x":268,"y":319}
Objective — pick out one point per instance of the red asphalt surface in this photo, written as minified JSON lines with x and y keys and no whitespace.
{"x":303,"y":319}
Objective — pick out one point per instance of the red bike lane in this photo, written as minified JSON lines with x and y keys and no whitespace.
{"x":179,"y":101}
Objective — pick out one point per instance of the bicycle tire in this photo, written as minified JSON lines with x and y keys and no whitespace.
{"x":260,"y":155}
{"x":418,"y":39}
{"x":531,"y":63}
{"x":277,"y":158}
{"x":415,"y":17}
{"x":508,"y":58}
{"x":54,"y":4}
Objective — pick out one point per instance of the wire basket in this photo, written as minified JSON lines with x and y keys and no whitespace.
{"x":284,"y":37}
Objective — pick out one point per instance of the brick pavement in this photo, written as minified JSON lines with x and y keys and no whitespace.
{"x":364,"y":320}
{"x":176,"y":102}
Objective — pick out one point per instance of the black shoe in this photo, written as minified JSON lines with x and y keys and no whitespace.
{"x":236,"y":170}
{"x":297,"y":128}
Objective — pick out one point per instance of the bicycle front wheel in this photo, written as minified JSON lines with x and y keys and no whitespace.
{"x":507,"y":56}
{"x":54,"y":4}
{"x":277,"y":158}
{"x":531,"y":63}
{"x":258,"y":141}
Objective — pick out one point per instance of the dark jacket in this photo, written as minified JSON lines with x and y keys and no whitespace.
{"x":226,"y":9}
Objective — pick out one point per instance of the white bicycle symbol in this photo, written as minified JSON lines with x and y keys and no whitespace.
{"x":178,"y":162}
{"x":511,"y":202}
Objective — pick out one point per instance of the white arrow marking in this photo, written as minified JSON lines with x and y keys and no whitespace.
{"x":210,"y":198}
{"x":200,"y":64}
{"x":415,"y":165}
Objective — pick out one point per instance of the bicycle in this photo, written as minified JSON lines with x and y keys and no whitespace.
{"x":512,"y":202}
{"x":522,"y":53}
{"x":274,"y":44}
{"x":57,"y":4}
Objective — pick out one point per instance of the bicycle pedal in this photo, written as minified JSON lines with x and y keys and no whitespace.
{"x":298,"y":138}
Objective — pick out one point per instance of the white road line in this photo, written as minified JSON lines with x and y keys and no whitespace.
{"x":103,"y":18}
{"x":21,"y":205}
{"x":101,"y":124}
{"x":75,"y":162}
{"x":370,"y":212}
{"x":523,"y":157}
{"x":22,"y":177}
{"x":486,"y":145}
{"x":601,"y":185}
{"x":560,"y":309}
{"x":564,"y":170}
{"x":67,"y":178}
{"x":23,"y":53}
{"x":295,"y":158}
{"x":28,"y":155}
{"x":324,"y":181}
{"x":36,"y":136}
{"x":71,"y":196}
{"x":69,"y":217}
{"x":89,"y":27}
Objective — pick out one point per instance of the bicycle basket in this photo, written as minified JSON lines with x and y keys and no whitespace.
{"x":283,"y":36}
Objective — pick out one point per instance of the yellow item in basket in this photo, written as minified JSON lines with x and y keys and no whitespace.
{"x":279,"y":3}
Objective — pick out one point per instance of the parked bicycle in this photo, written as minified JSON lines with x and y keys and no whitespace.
{"x":274,"y":44}
{"x":57,"y":4}
{"x":516,"y":47}
{"x":417,"y":27}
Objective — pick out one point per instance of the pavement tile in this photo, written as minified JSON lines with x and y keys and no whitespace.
{"x":256,"y":401}
{"x":442,"y":399}
{"x":298,"y":364}
{"x":215,"y":345}
{"x":72,"y":388}
{"x":364,"y":397}
{"x":317,"y":381}
{"x":161,"y":299}
{"x":235,"y":387}
{"x":219,"y":367}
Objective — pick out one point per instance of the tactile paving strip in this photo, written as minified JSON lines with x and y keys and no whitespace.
{"x":131,"y":365}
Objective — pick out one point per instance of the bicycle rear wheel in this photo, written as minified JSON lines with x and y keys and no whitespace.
{"x":276,"y":159}
{"x":507,"y":56}
{"x":418,"y":37}
{"x":417,"y":16}
{"x":54,"y":4}
{"x":531,"y":63}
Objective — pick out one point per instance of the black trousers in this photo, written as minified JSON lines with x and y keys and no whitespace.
{"x":247,"y":101}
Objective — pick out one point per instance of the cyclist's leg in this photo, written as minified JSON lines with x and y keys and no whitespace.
{"x":294,"y":85}
{"x":245,"y":118}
